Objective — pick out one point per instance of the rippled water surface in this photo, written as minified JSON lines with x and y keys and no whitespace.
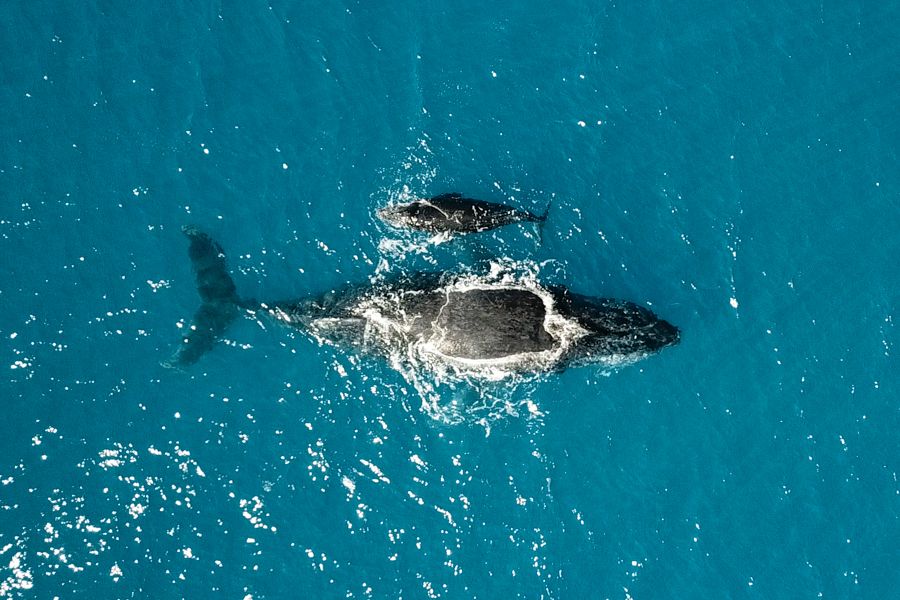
{"x":734,"y":168}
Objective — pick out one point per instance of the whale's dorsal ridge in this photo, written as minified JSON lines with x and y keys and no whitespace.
{"x":448,"y":196}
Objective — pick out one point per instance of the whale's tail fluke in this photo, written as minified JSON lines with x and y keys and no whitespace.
{"x":543,"y":216}
{"x":219,"y":300}
{"x":541,"y":220}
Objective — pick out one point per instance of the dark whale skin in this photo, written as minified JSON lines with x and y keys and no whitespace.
{"x":453,"y":213}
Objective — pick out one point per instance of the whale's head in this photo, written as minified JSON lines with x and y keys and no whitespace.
{"x":616,"y":327}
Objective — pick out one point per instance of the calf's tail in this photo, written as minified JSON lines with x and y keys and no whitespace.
{"x":541,"y":220}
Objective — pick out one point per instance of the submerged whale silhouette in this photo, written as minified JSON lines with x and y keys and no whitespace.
{"x":453,"y":213}
{"x":477,"y":326}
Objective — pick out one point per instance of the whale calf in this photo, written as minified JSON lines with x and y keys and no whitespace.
{"x":454,"y":213}
{"x":476,"y":326}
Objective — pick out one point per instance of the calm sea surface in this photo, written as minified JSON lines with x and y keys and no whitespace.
{"x":732,"y":166}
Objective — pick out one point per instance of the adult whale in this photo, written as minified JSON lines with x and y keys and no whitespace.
{"x":484,"y":328}
{"x":453,"y":213}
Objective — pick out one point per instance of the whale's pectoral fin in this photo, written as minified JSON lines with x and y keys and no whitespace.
{"x":218,"y":294}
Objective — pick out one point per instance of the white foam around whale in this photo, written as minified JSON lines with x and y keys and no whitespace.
{"x":441,"y":379}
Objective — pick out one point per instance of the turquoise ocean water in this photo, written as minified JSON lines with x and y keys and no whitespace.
{"x":734,"y":166}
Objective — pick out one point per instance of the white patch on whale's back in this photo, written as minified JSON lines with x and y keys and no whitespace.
{"x":386,"y":320}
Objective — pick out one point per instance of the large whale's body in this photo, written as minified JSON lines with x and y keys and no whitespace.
{"x":476,"y":326}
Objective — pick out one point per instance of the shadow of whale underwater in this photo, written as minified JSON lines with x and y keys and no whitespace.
{"x":469,"y":324}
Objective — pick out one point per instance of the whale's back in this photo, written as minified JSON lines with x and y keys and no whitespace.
{"x":482,"y":324}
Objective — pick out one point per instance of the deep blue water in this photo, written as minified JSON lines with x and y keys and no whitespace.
{"x":734,"y":167}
